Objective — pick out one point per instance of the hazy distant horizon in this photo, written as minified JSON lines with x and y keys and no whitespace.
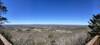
{"x":46,"y":24}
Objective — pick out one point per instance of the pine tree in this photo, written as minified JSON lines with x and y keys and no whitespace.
{"x":3,"y":10}
{"x":94,"y":25}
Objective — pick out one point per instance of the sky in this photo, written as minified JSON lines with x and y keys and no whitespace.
{"x":71,"y":12}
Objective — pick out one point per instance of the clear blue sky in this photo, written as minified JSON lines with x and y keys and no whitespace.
{"x":51,"y":11}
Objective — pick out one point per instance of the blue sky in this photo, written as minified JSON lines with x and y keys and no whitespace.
{"x":75,"y":12}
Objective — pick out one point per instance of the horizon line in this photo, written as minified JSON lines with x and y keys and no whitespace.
{"x":45,"y":24}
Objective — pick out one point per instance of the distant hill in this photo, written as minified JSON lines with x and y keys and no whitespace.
{"x":54,"y":27}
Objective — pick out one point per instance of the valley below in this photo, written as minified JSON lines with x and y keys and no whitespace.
{"x":46,"y":34}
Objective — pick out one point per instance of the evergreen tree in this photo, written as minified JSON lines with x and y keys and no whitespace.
{"x":94,"y":24}
{"x":3,"y":10}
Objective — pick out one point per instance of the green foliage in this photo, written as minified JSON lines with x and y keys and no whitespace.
{"x":94,"y":24}
{"x":3,"y":10}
